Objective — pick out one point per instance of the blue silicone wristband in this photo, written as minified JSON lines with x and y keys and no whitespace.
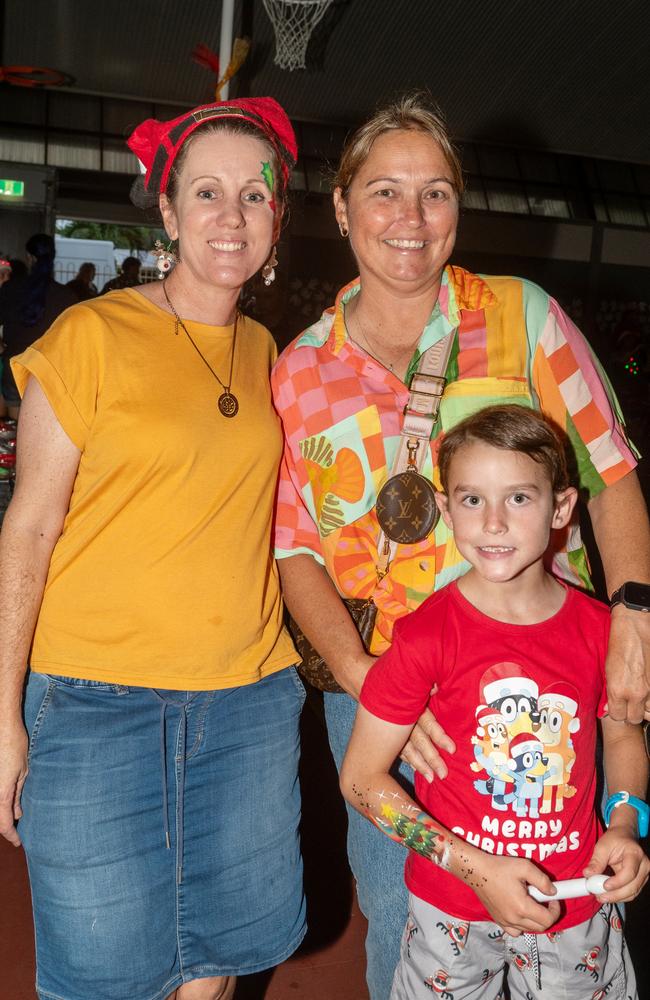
{"x":642,"y":810}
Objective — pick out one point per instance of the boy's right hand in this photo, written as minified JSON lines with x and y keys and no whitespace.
{"x":502,"y":886}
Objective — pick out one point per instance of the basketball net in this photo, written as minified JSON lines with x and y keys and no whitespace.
{"x":293,"y":22}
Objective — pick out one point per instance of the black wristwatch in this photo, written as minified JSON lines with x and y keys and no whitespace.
{"x":633,"y":595}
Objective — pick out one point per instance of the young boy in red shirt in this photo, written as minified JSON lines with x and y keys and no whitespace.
{"x":515,"y":660}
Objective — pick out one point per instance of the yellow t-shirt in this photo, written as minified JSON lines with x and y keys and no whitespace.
{"x":163,"y":574}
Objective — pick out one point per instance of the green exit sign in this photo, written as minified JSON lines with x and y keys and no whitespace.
{"x":12,"y":189}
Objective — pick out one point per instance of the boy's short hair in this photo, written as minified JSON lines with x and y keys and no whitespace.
{"x":513,"y":428}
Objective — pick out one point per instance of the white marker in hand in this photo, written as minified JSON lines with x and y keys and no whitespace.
{"x":572,"y":888}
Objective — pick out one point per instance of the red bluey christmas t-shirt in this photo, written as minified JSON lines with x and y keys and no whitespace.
{"x":521,"y":703}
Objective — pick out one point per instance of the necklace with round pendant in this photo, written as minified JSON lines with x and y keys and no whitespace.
{"x":227,"y":402}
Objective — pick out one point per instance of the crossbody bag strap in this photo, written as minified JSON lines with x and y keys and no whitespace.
{"x":420,"y":415}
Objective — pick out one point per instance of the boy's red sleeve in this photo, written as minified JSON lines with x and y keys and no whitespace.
{"x":398,"y":686}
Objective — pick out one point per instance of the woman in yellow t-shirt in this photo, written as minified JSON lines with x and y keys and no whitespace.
{"x":160,"y":722}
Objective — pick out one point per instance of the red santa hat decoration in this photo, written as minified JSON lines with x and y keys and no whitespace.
{"x":505,"y":680}
{"x":523,"y":743}
{"x":485,"y":714}
{"x":562,"y":697}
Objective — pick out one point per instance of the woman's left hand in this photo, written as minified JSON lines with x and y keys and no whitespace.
{"x":619,"y":517}
{"x":420,"y":751}
{"x":628,"y":665}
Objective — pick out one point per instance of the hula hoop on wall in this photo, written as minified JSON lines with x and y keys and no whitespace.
{"x":34,"y":76}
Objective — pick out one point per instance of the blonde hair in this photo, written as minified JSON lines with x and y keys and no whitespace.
{"x":415,"y":112}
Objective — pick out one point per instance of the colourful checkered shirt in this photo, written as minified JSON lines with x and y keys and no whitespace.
{"x":342,"y":416}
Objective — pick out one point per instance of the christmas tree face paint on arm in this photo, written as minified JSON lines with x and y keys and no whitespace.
{"x":418,"y":834}
{"x":269,"y":180}
{"x":406,"y":824}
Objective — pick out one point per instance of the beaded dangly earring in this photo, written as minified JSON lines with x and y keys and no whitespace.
{"x":166,"y":258}
{"x":268,"y":271}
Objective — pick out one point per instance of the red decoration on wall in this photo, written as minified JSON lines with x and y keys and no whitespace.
{"x":34,"y":76}
{"x":207,"y":58}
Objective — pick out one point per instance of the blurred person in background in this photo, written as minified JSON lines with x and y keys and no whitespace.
{"x":129,"y":276}
{"x":5,"y":274}
{"x":84,"y":284}
{"x":19,"y":269}
{"x":5,"y":270}
{"x":29,"y":304}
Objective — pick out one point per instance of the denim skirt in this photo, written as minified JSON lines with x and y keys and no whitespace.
{"x":161,"y":833}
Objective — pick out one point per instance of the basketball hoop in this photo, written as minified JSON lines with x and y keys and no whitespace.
{"x":293,"y":22}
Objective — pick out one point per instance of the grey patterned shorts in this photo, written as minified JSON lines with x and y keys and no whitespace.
{"x":452,"y":959}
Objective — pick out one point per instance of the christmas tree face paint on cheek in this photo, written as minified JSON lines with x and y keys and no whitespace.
{"x":269,"y":180}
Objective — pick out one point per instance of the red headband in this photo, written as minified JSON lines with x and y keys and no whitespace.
{"x":157,"y":144}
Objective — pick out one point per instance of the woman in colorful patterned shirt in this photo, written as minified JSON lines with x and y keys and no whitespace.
{"x":341,"y":388}
{"x":160,"y":813}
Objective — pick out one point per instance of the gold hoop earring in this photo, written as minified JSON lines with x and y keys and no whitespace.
{"x":343,"y":229}
{"x":268,"y":271}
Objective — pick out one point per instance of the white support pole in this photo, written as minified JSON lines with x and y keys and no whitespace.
{"x":225,"y":42}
